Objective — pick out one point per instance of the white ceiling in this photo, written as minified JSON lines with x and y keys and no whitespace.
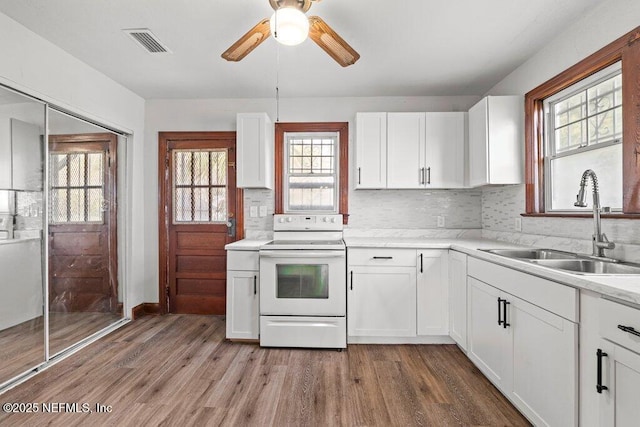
{"x":407,"y":47}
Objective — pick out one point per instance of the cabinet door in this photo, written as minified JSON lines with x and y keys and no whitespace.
{"x":445,"y":156}
{"x":5,"y":156}
{"x":619,"y":403}
{"x":432,"y":293}
{"x":254,"y":151}
{"x":381,"y":301}
{"x":458,"y":298}
{"x":406,"y":150}
{"x":545,"y":364}
{"x":371,"y":150}
{"x":26,"y":148}
{"x":243,"y":289}
{"x":478,"y":144}
{"x":505,"y":138}
{"x":489,"y":343}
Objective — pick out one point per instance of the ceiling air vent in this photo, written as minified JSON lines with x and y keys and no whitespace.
{"x":147,"y":40}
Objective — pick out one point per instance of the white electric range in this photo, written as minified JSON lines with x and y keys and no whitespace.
{"x":303,"y":283}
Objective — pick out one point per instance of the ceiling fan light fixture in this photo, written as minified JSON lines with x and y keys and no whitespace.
{"x":289,"y":26}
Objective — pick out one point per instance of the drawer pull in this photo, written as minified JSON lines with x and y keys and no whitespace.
{"x":382,"y":257}
{"x":500,"y":321}
{"x":505,"y":324}
{"x":351,"y":280}
{"x":255,"y":285}
{"x":599,"y":387}
{"x":629,"y":329}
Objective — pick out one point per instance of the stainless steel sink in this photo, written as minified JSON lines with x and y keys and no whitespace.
{"x":589,"y":266}
{"x":533,"y":254}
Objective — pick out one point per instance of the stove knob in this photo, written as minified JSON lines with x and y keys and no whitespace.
{"x":289,"y":219}
{"x":325,"y":219}
{"x":333,"y":220}
{"x":281,"y":220}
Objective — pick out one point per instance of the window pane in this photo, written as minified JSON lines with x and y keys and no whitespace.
{"x":605,"y":95}
{"x":605,"y":127}
{"x":95,"y":172}
{"x":200,"y":179}
{"x":76,"y":172}
{"x":59,"y":205}
{"x":58,"y":167}
{"x":570,"y":137}
{"x":566,"y":173}
{"x":570,"y":110}
{"x":311,"y":193}
{"x":94,"y":204}
{"x":76,"y":205}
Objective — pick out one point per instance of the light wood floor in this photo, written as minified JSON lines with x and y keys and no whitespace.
{"x":179,"y":370}
{"x":22,"y":346}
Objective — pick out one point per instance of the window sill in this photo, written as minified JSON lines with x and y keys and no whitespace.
{"x":580,"y":215}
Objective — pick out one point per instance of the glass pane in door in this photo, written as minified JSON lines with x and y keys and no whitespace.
{"x":302,"y":281}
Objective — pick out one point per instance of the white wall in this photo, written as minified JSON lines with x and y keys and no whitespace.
{"x":35,"y":66}
{"x":599,"y":27}
{"x":220,"y":115}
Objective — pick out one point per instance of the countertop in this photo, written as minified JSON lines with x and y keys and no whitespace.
{"x":625,"y":288}
{"x":246,"y":245}
{"x":16,"y":241}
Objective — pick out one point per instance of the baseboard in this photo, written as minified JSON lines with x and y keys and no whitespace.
{"x":145,"y":309}
{"x":426,"y":339}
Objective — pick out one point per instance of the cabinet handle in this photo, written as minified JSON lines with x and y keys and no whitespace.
{"x":351,"y":273}
{"x":421,"y":176}
{"x":255,"y":285}
{"x":499,"y":311}
{"x":429,"y":175}
{"x":629,"y":329}
{"x":599,"y":387}
{"x":504,"y":314}
{"x":421,"y":266}
{"x":359,"y":176}
{"x":382,"y":257}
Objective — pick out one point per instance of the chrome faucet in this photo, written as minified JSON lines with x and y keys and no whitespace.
{"x":600,"y":241}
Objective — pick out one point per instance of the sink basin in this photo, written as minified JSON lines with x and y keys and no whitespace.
{"x":589,"y":266}
{"x":533,"y":254}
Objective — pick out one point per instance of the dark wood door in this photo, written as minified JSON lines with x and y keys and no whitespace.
{"x":82,"y":223}
{"x":198,"y":201}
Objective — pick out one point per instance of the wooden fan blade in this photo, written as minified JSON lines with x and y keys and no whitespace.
{"x":248,"y":42}
{"x":331,"y":42}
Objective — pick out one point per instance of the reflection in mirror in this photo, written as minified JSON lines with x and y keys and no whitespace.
{"x":22,"y":336}
{"x":84,"y":290}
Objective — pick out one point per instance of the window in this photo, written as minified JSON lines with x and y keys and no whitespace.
{"x":200,"y":186}
{"x":584,"y":131}
{"x":311,"y":170}
{"x":592,"y":123}
{"x":311,"y":173}
{"x":77,"y":187}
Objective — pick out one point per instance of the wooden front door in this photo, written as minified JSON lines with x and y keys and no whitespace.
{"x":82,"y":223}
{"x":198,"y":217}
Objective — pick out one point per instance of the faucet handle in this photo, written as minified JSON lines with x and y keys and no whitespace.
{"x":605,"y":243}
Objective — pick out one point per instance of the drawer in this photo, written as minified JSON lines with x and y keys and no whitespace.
{"x":552,"y":296}
{"x":613,"y":314}
{"x":382,"y":257}
{"x":243,"y":260}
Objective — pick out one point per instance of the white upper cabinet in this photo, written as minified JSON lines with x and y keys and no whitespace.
{"x":255,"y":151}
{"x":371,"y":150}
{"x":406,"y":150}
{"x":496,"y":141}
{"x":445,"y":150}
{"x":26,"y":155}
{"x":426,"y":150}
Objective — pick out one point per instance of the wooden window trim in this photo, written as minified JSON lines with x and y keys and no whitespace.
{"x":625,"y":49}
{"x":343,"y":129}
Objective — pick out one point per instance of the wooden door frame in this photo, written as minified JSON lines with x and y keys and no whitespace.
{"x":112,"y":168}
{"x":163,"y":190}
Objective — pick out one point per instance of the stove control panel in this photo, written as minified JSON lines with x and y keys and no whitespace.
{"x":296,"y":222}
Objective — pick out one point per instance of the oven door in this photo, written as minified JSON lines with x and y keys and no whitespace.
{"x":303,"y":283}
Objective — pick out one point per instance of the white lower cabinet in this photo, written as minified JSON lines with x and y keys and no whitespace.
{"x":458,"y":298}
{"x":243,"y":295}
{"x":397,"y":295}
{"x":381,"y":301}
{"x":432,"y":292}
{"x":617,"y":365}
{"x":528,"y":352}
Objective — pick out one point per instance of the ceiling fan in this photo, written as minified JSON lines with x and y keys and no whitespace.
{"x":289,"y":25}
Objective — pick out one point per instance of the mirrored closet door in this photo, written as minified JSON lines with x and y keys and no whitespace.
{"x":22,"y":282}
{"x":60,"y":231}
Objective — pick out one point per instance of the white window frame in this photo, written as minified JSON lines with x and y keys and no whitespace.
{"x":336,"y":167}
{"x":549,"y":134}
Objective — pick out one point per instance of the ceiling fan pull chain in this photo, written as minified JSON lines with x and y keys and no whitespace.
{"x":277,"y":82}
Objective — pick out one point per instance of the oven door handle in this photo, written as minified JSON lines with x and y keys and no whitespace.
{"x":301,"y":254}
